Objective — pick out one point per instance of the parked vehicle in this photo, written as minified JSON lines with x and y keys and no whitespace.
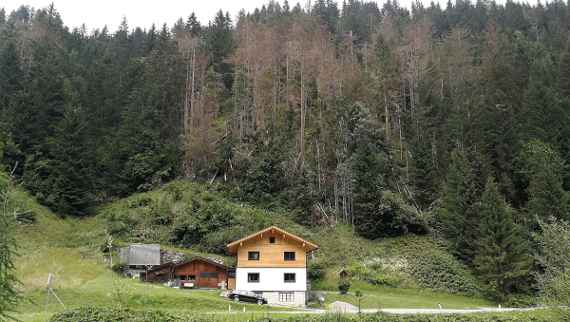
{"x":243,"y":296}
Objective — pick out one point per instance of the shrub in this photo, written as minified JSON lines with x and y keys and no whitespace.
{"x":316,"y":271}
{"x":91,"y":314}
{"x":343,"y":286}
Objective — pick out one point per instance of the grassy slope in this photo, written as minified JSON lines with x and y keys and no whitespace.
{"x":70,"y":249}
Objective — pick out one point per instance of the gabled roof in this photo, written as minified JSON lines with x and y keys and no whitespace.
{"x":171,"y":265}
{"x":203,"y":259}
{"x":309,"y":246}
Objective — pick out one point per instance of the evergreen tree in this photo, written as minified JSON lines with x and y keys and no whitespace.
{"x":193,"y":25}
{"x":8,"y":292}
{"x":540,"y":170}
{"x":423,"y":174}
{"x":458,"y":213}
{"x":502,"y":259}
{"x":565,"y":72}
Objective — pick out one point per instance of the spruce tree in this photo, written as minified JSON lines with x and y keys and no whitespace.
{"x":502,"y":258}
{"x":541,"y":171}
{"x":457,"y":213}
{"x":564,"y":78}
{"x":8,"y":294}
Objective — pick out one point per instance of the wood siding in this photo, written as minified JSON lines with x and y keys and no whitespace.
{"x":271,"y":255}
{"x":198,"y":268}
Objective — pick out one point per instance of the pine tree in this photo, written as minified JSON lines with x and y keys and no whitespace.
{"x":565,"y":71}
{"x":458,"y":214}
{"x":193,"y":25}
{"x":502,"y":259}
{"x":423,"y":173}
{"x":541,"y":169}
{"x":8,"y":293}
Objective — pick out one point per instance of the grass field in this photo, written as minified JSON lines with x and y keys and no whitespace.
{"x":387,"y":297}
{"x":71,"y":250}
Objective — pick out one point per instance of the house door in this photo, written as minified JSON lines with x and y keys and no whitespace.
{"x":208,"y":280}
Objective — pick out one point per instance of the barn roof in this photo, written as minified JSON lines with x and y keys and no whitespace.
{"x":141,"y":254}
{"x":171,"y":265}
{"x":202,"y":259}
{"x":309,"y":246}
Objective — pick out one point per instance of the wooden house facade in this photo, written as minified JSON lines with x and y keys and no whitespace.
{"x":273,"y":263}
{"x":198,"y":272}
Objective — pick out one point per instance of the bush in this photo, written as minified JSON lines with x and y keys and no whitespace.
{"x":343,"y":286}
{"x":316,"y":271}
{"x":91,"y":314}
{"x":189,"y":215}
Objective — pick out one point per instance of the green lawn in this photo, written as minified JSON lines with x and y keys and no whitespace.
{"x":386,"y":297}
{"x":71,"y":250}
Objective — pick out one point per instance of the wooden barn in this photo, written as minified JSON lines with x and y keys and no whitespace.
{"x":198,"y":272}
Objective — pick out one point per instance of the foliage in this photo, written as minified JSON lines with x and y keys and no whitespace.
{"x":88,"y":314}
{"x":9,"y":294}
{"x":434,"y":268}
{"x":189,"y":215}
{"x":502,"y":259}
{"x":458,"y":211}
{"x":344,"y":286}
{"x":542,"y":173}
{"x":554,"y":258}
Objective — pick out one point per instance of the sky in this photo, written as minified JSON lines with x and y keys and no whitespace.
{"x":139,"y":13}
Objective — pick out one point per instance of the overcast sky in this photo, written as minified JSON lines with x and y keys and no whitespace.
{"x":143,"y":13}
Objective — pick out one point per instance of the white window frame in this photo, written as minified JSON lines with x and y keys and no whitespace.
{"x":287,"y":297}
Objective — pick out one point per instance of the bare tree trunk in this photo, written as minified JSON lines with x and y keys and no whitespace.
{"x":386,"y":117}
{"x":302,"y":129}
{"x":400,"y":132}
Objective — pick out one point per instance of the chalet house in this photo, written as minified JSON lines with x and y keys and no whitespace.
{"x":273,"y":263}
{"x":198,"y":272}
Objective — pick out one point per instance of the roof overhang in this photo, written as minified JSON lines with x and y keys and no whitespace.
{"x":309,"y":246}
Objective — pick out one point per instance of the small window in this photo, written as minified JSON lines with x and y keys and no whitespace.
{"x":191,"y":278}
{"x":290,"y":277}
{"x":286,"y":297}
{"x":253,"y":277}
{"x":289,"y":256}
{"x":253,"y":256}
{"x":272,"y":240}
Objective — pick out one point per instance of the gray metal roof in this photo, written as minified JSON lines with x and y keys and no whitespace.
{"x":140,"y":254}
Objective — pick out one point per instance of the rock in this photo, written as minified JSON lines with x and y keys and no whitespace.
{"x":343,"y":307}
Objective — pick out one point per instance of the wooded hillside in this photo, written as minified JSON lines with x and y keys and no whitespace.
{"x":446,"y":120}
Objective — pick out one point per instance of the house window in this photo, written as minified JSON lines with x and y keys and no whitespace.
{"x":253,"y":277}
{"x":253,"y":256}
{"x":272,"y":240}
{"x":286,"y":297}
{"x":289,"y":277}
{"x":191,"y":277}
{"x":289,"y":256}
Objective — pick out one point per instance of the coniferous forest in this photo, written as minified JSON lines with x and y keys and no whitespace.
{"x":452,"y":120}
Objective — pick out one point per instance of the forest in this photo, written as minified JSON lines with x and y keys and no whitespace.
{"x":451,"y":120}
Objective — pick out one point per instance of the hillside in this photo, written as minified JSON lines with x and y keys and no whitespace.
{"x":72,"y":250}
{"x":340,"y":121}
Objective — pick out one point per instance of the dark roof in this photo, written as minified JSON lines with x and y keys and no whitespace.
{"x":195,"y":258}
{"x":203,"y":259}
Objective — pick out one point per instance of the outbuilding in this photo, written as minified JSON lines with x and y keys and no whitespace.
{"x":198,"y":272}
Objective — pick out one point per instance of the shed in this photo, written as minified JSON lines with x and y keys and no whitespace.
{"x":140,"y":255}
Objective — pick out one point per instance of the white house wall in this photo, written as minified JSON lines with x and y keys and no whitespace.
{"x":271,"y":279}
